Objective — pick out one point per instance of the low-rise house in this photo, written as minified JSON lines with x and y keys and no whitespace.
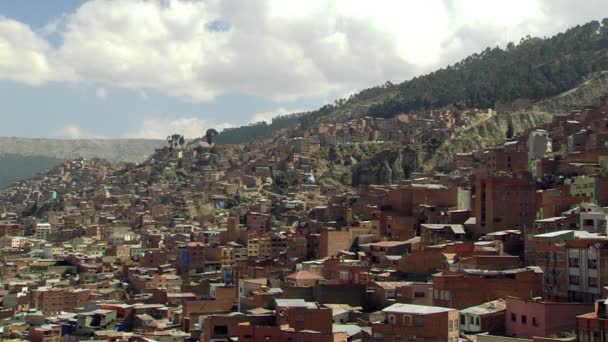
{"x":487,"y":317}
{"x":410,"y":322}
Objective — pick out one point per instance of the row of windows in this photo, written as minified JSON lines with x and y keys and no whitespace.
{"x":549,"y":256}
{"x":524,"y":319}
{"x":575,"y":280}
{"x":473,"y":320}
{"x":442,"y":294}
{"x":407,"y":320}
{"x":575,"y":262}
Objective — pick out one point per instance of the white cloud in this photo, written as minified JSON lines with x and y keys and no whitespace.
{"x":72,"y":131}
{"x":189,"y":127}
{"x":201,"y":49}
{"x":268,"y":116}
{"x":25,"y":57}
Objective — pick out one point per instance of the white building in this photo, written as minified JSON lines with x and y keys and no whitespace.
{"x":538,"y":144}
{"x":43,"y":230}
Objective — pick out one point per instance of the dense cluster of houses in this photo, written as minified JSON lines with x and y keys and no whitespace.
{"x":193,"y":244}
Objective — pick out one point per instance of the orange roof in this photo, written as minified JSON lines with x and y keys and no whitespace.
{"x":304,"y":275}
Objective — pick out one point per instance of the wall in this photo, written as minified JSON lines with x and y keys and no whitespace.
{"x":490,"y":338}
{"x":550,"y":317}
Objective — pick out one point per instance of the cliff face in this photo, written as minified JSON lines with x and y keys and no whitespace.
{"x":389,"y":166}
{"x":492,"y":132}
{"x":486,"y":134}
{"x":585,"y":94}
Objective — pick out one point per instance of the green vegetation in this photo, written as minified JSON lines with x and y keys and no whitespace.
{"x":535,"y":69}
{"x":258,"y":130}
{"x":483,"y":134}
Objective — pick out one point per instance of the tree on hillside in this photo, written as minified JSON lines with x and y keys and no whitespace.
{"x":510,"y":131}
{"x":535,"y":68}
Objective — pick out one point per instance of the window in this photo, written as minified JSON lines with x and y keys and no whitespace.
{"x":411,"y":338}
{"x":513,"y":317}
{"x":477,"y":321}
{"x":463,"y":319}
{"x":471,"y":320}
{"x":592,"y":263}
{"x":419,"y":294}
{"x":574,"y":280}
{"x":534,"y":322}
{"x":573,"y":262}
{"x":450,"y":326}
{"x":419,"y":321}
{"x":592,"y":281}
{"x":220,"y":330}
{"x":391,"y":319}
{"x":524,"y":319}
{"x":587,"y":222}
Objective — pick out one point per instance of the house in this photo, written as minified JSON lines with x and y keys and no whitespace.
{"x":487,"y":317}
{"x":462,"y":289}
{"x":303,"y":278}
{"x":410,"y":322}
{"x":534,"y":317}
{"x":592,"y":326}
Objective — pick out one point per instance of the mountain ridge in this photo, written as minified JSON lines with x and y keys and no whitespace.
{"x":115,"y":150}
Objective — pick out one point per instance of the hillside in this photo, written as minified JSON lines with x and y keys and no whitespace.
{"x":21,"y":158}
{"x":535,"y":68}
{"x":14,"y":167}
{"x":492,"y":132}
{"x":566,"y":71}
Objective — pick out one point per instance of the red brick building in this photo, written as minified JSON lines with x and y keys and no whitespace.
{"x":462,"y":289}
{"x":409,"y":322}
{"x":548,"y":251}
{"x":508,"y":158}
{"x":56,"y":300}
{"x":533,"y":317}
{"x":503,"y":201}
{"x":295,"y":320}
{"x":593,"y":326}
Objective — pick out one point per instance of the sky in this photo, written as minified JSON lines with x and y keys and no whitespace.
{"x":76,"y":69}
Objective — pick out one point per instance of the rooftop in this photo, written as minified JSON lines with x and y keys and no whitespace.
{"x":304,"y":275}
{"x":415,"y":309}
{"x":294,"y":303}
{"x":489,"y":307}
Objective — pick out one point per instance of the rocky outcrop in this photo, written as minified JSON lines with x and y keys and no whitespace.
{"x":389,"y":166}
{"x":492,"y":131}
{"x":486,"y":134}
{"x":585,"y":94}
